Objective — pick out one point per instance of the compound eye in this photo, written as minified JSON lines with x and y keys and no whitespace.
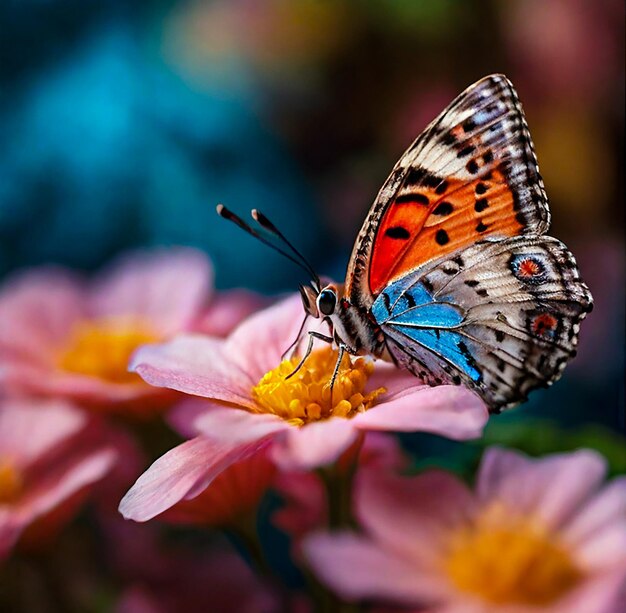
{"x":326,"y":301}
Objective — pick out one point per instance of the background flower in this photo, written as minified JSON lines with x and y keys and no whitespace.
{"x":534,"y":535}
{"x":66,"y":337}
{"x":49,"y":457}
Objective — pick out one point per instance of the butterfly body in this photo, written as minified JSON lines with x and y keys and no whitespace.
{"x":452,"y":276}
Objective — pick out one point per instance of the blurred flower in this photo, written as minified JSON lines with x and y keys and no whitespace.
{"x":192,"y":582}
{"x":305,"y":498}
{"x":49,"y":456}
{"x":307,"y":425}
{"x":537,"y":534}
{"x":60,"y":336}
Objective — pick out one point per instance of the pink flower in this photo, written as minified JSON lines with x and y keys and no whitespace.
{"x":187,"y":581}
{"x":61,"y":336}
{"x":252,"y":403}
{"x":48,"y":456}
{"x":535,"y":534}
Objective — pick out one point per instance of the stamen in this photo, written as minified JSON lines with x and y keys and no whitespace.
{"x":10,"y":482}
{"x":103,"y":348}
{"x":510,"y":561}
{"x":306,"y":396}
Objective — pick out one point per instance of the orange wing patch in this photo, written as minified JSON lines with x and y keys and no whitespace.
{"x":429,"y":223}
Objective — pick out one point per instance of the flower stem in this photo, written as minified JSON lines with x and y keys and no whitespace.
{"x":338,"y":480}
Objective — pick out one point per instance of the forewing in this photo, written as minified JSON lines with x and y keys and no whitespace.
{"x":519,"y":303}
{"x":472,"y":174}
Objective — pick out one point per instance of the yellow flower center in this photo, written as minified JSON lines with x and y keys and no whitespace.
{"x":102,"y":348}
{"x":307,"y":396}
{"x":10,"y":482}
{"x":510,"y":561}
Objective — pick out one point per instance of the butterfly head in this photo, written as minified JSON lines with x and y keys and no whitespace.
{"x":319,"y":303}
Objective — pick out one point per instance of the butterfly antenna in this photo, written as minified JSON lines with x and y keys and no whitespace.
{"x":222,"y":211}
{"x":265,"y":223}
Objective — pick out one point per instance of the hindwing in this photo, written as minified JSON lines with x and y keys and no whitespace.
{"x":501,"y":316}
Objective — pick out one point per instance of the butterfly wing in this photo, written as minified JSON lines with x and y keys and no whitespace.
{"x":471,"y":174}
{"x":501,"y":316}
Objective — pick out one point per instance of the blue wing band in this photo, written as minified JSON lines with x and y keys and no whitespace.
{"x":408,"y":309}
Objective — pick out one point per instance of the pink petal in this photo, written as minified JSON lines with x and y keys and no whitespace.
{"x":357,"y":569}
{"x":397,"y":381}
{"x":166,"y":288}
{"x":228,"y":309}
{"x":10,"y":530}
{"x":412,"y":515}
{"x":606,"y":510}
{"x":184,"y":416}
{"x":233,"y":425}
{"x":606,"y":549}
{"x":27,"y":378}
{"x":183,"y":472}
{"x":316,"y":444}
{"x":382,"y":451}
{"x":447,"y":410}
{"x":258,"y":343}
{"x":603,"y":593}
{"x":553,"y":487}
{"x":38,"y":310}
{"x":64,"y":480}
{"x":31,"y":428}
{"x":195,"y":365}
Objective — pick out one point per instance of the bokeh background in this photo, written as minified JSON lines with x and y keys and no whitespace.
{"x":124,"y":122}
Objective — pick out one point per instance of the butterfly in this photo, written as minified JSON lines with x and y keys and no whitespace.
{"x":452,"y":275}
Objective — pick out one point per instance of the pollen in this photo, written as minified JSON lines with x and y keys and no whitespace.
{"x":306,"y":396}
{"x":510,"y":561}
{"x":102,"y":349}
{"x":10,"y":482}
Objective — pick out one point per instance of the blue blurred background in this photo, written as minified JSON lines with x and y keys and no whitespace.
{"x":124,"y":122}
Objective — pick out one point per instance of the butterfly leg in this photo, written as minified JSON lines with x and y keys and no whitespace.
{"x":294,"y":346}
{"x":342,"y":350}
{"x":312,"y":335}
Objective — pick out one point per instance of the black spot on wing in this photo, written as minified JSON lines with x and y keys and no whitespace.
{"x":443,"y":208}
{"x":480,"y":205}
{"x":398,"y":233}
{"x":442,"y":237}
{"x":411,"y":199}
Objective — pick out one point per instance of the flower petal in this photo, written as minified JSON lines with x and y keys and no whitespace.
{"x":229,"y":424}
{"x":316,"y":444}
{"x":412,"y":515}
{"x":357,"y":569}
{"x":228,"y":309}
{"x":555,"y":486}
{"x":32,"y":428}
{"x":196,"y":365}
{"x":258,"y":344}
{"x":167,"y":288}
{"x":182,"y":472}
{"x":446,"y":410}
{"x":64,"y":480}
{"x":20,"y":378}
{"x":38,"y":310}
{"x":606,"y":509}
